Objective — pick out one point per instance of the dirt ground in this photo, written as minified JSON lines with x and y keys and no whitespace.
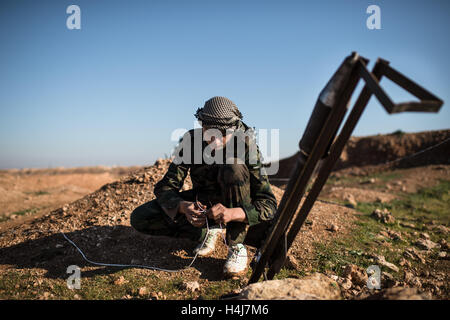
{"x":29,"y":193}
{"x":340,"y":233}
{"x":99,"y":224}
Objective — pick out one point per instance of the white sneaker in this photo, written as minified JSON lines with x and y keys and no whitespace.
{"x":237,"y":261}
{"x":209,"y":243}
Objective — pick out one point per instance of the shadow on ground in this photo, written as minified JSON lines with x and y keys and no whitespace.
{"x":106,"y":244}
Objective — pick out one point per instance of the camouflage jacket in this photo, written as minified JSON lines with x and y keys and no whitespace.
{"x":262,"y":206}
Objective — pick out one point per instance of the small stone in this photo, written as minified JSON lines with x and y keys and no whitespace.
{"x":416,"y":282}
{"x":394,"y":235}
{"x":333,"y":228}
{"x":404,"y":262}
{"x":425,"y":244}
{"x":154,"y":295}
{"x":58,"y":246}
{"x":369,"y":181}
{"x":119,"y":281}
{"x":387,"y":276}
{"x":442,"y":229}
{"x":351,"y":201}
{"x":384,"y":234}
{"x":425,"y":236}
{"x":442,"y":255}
{"x":346,"y":284}
{"x":37,"y":283}
{"x":382,"y":261}
{"x":334,"y":277}
{"x":381,"y":199}
{"x":444,"y":245}
{"x":142,"y":291}
{"x":408,"y":276}
{"x":413,"y":254}
{"x":191,"y":286}
{"x":383,"y":216}
{"x":356,"y":274}
{"x":408,"y":225}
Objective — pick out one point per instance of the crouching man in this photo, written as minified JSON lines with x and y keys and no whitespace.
{"x":230,"y":193}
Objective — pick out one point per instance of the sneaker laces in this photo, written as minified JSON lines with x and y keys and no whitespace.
{"x":211,"y":237}
{"x":236,"y":252}
{"x":230,"y":250}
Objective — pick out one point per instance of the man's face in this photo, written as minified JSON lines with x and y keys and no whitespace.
{"x":216,"y":138}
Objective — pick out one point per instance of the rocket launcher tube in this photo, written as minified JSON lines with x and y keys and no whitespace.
{"x":327,"y":100}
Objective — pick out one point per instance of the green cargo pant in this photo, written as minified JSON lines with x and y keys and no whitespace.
{"x":234,"y":184}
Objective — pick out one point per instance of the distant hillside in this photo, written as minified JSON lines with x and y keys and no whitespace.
{"x":374,"y":150}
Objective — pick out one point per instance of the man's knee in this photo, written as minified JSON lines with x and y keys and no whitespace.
{"x":142,"y":215}
{"x":136,"y":218}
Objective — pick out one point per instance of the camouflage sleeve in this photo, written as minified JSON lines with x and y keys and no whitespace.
{"x":264,"y":204}
{"x":167,"y":189}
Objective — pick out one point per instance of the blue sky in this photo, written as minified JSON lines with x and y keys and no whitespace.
{"x":113,"y":92}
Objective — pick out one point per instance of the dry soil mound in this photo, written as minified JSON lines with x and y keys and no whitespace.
{"x":379,"y":149}
{"x":99,"y":224}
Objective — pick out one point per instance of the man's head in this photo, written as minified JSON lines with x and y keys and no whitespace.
{"x":218,"y":114}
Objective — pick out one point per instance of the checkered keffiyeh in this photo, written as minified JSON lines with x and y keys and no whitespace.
{"x":219,"y":113}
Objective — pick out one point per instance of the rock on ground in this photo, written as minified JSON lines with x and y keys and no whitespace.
{"x":314,"y":287}
{"x":382,"y":261}
{"x":355,"y":274}
{"x":191,"y":286}
{"x":383,"y":215}
{"x":426,"y":244}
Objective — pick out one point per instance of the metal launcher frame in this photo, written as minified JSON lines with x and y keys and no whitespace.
{"x":321,"y":141}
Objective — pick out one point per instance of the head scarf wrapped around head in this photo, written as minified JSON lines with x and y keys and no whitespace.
{"x":219,"y":113}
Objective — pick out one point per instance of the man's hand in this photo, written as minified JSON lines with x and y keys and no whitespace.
{"x":221,"y":214}
{"x":193,"y":214}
